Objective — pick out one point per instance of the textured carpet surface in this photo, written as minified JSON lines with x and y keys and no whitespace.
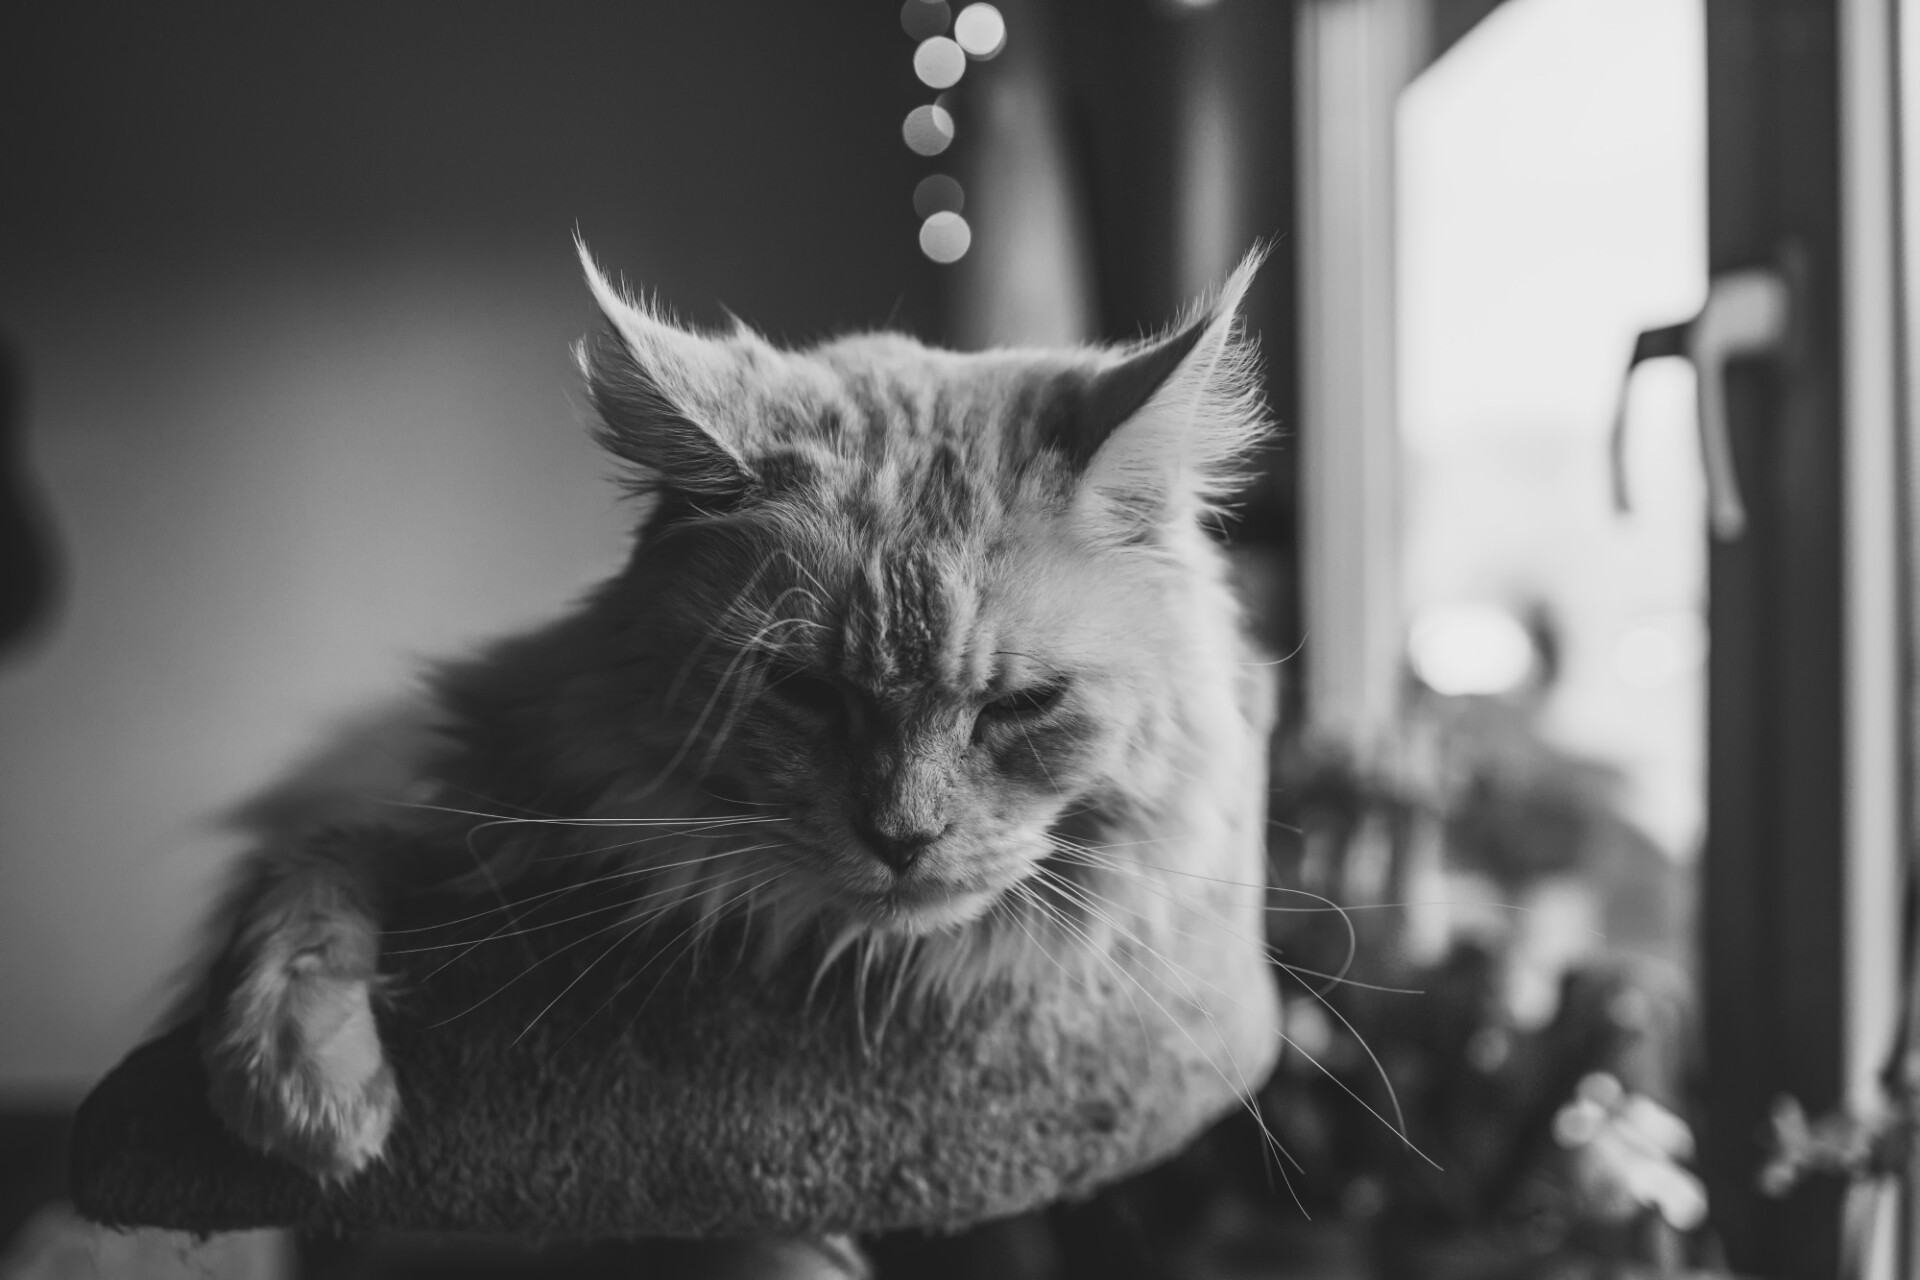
{"x":707,"y":1103}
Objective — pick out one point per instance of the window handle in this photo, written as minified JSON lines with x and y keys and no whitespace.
{"x":1747,"y":315}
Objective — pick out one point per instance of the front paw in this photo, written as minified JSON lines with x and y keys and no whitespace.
{"x":297,"y":1069}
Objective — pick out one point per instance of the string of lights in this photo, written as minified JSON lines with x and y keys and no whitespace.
{"x":944,"y":45}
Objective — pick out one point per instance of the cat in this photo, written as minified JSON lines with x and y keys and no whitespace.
{"x":914,"y":649}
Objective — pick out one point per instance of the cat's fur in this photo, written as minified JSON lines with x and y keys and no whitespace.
{"x":901,"y":628}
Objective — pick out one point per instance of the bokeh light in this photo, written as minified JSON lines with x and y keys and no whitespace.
{"x":981,"y":31}
{"x":938,"y":193}
{"x":928,"y":129}
{"x":939,"y":63}
{"x":923,"y":19}
{"x":1471,"y":649}
{"x":945,"y":237}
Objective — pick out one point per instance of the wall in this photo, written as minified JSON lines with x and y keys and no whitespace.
{"x":293,"y":291}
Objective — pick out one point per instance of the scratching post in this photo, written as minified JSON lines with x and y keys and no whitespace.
{"x":721,"y":1111}
{"x":711,"y":1103}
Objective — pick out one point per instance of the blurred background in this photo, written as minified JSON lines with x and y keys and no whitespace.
{"x":1586,"y":537}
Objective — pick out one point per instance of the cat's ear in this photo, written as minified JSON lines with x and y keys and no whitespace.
{"x":655,"y":388}
{"x":1164,"y":431}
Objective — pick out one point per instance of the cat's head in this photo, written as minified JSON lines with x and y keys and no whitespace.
{"x":917,"y":606}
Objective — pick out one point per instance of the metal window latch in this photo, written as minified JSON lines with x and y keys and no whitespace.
{"x":1747,"y":315}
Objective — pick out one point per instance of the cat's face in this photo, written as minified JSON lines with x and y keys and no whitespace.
{"x":914,"y":608}
{"x":919,"y":712}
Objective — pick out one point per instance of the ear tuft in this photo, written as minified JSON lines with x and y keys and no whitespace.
{"x":653,"y":386}
{"x":1167,"y":427}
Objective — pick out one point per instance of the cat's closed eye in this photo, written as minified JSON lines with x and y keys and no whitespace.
{"x":802,"y":691}
{"x":1029,"y":703}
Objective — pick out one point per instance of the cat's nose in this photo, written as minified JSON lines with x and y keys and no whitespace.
{"x":898,"y":846}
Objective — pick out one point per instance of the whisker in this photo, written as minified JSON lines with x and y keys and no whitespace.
{"x":744,"y":691}
{"x":622,"y":940}
{"x":903,"y":957}
{"x":554,"y":924}
{"x":688,"y":834}
{"x":861,"y":970}
{"x":558,"y":951}
{"x":1021,"y":889}
{"x":1034,"y":751}
{"x":591,"y":966}
{"x":681,"y":890}
{"x":624,"y":905}
{"x":1088,"y":898}
{"x":1087,"y":901}
{"x":503,"y":819}
{"x":630,"y":929}
{"x":648,"y":963}
{"x":1379,"y":1068}
{"x":1058,"y":918}
{"x":575,"y":887}
{"x":1399,"y":1130}
{"x":1241,"y":1090}
{"x":802,"y":568}
{"x":1353,"y":935}
{"x":713,"y":632}
{"x":1331,"y":906}
{"x":680,"y":754}
{"x":835,"y":948}
{"x":1302,"y":974}
{"x":1275,"y":662}
{"x":1218,"y":925}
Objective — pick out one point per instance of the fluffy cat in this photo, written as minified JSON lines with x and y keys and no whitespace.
{"x":916,"y":650}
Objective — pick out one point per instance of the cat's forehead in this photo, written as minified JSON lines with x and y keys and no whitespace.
{"x":904,"y":442}
{"x":911,"y":484}
{"x":887,"y":398}
{"x":888,"y":607}
{"x":906,"y":621}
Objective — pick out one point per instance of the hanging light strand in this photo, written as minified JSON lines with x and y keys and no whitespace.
{"x":944,"y":47}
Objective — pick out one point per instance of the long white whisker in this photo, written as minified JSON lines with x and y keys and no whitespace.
{"x":1399,"y":1128}
{"x":611,"y":947}
{"x":713,"y":632}
{"x":630,"y":979}
{"x":691,"y":927}
{"x":558,"y":951}
{"x":835,"y":948}
{"x":903,"y":957}
{"x":575,"y":887}
{"x":1063,"y":845}
{"x":1352,"y":935}
{"x":726,"y":677}
{"x":865,"y":966}
{"x":1379,"y":1068}
{"x":690,"y":833}
{"x":1241,"y":1091}
{"x":1058,"y":918}
{"x":1301,"y":975}
{"x":604,"y":954}
{"x":504,"y":820}
{"x":679,"y":890}
{"x":675,"y":894}
{"x":1023,"y":891}
{"x":1141,"y":881}
{"x":623,"y":904}
{"x":1034,"y":751}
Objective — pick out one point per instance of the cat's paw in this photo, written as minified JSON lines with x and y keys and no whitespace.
{"x":296,"y":1067}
